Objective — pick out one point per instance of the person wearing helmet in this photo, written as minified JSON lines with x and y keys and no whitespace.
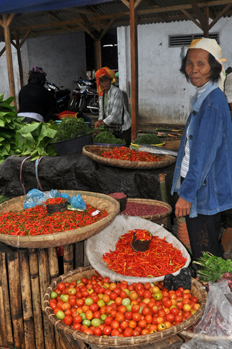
{"x":36,"y":103}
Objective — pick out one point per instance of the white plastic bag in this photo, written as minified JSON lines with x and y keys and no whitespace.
{"x":215,"y":328}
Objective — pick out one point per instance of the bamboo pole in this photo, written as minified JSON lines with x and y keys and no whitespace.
{"x":36,"y":299}
{"x":79,"y":254}
{"x":68,"y":258}
{"x":6,"y":301}
{"x":3,"y":332}
{"x":53,"y":263}
{"x":15,"y":299}
{"x":44,"y":279}
{"x":29,"y":329}
{"x":164,"y":196}
{"x":6,"y":24}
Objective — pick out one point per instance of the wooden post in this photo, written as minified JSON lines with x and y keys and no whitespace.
{"x":29,"y":329}
{"x":163,"y":192}
{"x":19,"y":58}
{"x":36,"y":298}
{"x":6,"y":24}
{"x":98,"y":54}
{"x":134,"y":69}
{"x":68,"y":251}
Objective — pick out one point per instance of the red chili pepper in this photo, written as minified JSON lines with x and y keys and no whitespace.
{"x":36,"y":221}
{"x":160,"y":259}
{"x":124,"y":153}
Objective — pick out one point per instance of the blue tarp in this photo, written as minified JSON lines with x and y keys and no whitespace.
{"x":23,"y":6}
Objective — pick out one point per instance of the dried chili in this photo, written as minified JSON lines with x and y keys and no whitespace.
{"x":160,"y":259}
{"x":124,"y":153}
{"x":142,"y":234}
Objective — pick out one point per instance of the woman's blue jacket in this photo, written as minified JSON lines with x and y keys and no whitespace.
{"x":208,"y":183}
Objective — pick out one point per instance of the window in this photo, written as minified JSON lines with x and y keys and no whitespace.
{"x":185,"y":40}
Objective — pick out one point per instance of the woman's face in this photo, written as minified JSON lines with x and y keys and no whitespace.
{"x":197,"y":66}
{"x":105,"y":83}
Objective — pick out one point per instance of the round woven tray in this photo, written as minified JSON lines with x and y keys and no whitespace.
{"x":155,"y":217}
{"x":94,"y":152}
{"x":98,"y":245}
{"x":100,"y":201}
{"x":196,"y":289}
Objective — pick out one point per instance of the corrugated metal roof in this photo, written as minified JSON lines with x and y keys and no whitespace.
{"x":95,"y":18}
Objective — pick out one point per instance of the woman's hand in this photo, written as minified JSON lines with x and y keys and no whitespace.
{"x":182,"y":208}
{"x":98,"y":123}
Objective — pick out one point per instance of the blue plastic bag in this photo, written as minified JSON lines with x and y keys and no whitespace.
{"x":78,"y":203}
{"x":36,"y":197}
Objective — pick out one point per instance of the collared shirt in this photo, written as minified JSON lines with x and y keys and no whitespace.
{"x":115,"y":107}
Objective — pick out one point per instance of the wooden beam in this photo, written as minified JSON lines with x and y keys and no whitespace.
{"x":201,"y":17}
{"x":87,"y":31}
{"x":137,"y":2}
{"x":9,"y":56}
{"x":191,"y":18}
{"x":219,"y":16}
{"x":24,"y":38}
{"x":19,"y":58}
{"x":126,"y":2}
{"x":87,"y":24}
{"x":2,"y":51}
{"x":98,"y":54}
{"x":107,"y":28}
{"x":134,"y":70}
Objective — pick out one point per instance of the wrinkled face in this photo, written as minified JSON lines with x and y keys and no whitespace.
{"x":197,"y":66}
{"x":105,"y":83}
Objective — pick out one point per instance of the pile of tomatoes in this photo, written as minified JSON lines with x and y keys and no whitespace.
{"x":100,"y":307}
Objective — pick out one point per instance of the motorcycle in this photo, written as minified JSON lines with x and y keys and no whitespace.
{"x":85,"y":96}
{"x":61,"y":95}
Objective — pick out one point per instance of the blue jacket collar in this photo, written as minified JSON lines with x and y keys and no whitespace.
{"x":196,"y":104}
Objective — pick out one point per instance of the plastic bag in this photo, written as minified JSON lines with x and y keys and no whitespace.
{"x":78,"y":203}
{"x":36,"y":197}
{"x":214,"y":331}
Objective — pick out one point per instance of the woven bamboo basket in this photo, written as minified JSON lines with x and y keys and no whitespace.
{"x":94,"y":152}
{"x":117,"y":342}
{"x":100,"y":201}
{"x":172,"y":143}
{"x":155,"y":217}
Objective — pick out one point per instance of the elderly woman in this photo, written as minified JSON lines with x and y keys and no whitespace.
{"x":203,"y":173}
{"x":112,"y":110}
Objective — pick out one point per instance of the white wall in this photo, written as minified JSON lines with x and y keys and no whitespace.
{"x":164,"y":94}
{"x":61,"y":56}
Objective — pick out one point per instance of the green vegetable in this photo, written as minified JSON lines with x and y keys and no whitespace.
{"x":108,"y":138}
{"x":71,"y":127}
{"x":149,"y":138}
{"x":34,"y":139}
{"x":213,"y":267}
{"x":3,"y":199}
{"x":9,"y":124}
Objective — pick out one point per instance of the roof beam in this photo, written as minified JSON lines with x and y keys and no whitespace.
{"x":219,"y":15}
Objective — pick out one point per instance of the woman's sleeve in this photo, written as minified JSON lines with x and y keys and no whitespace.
{"x":205,"y":143}
{"x":100,"y":108}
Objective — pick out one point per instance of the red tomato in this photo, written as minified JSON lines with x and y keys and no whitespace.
{"x":142,"y":324}
{"x":132,"y":323}
{"x":77,"y":319}
{"x":178,"y":319}
{"x":136,"y":316}
{"x":97,"y":331}
{"x":107,"y":330}
{"x":128,"y":332}
{"x":170,"y":317}
{"x":108,"y":320}
{"x":167,"y":303}
{"x":120,"y":316}
{"x":68,"y":320}
{"x":147,"y":294}
{"x":61,"y":286}
{"x":124,"y":324}
{"x":128,"y":315}
{"x":115,"y":332}
{"x":114,"y":324}
{"x":174,"y":311}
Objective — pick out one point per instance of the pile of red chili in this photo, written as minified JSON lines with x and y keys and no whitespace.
{"x":142,"y":234}
{"x":36,"y":221}
{"x":124,"y":153}
{"x":160,"y":259}
{"x":55,"y":201}
{"x":137,"y":209}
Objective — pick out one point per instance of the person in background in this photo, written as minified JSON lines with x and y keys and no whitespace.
{"x":36,"y":103}
{"x":112,"y":109}
{"x":228,"y":88}
{"x":203,"y":171}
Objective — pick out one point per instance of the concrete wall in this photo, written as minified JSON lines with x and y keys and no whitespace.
{"x":164,"y":94}
{"x":61,"y":56}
